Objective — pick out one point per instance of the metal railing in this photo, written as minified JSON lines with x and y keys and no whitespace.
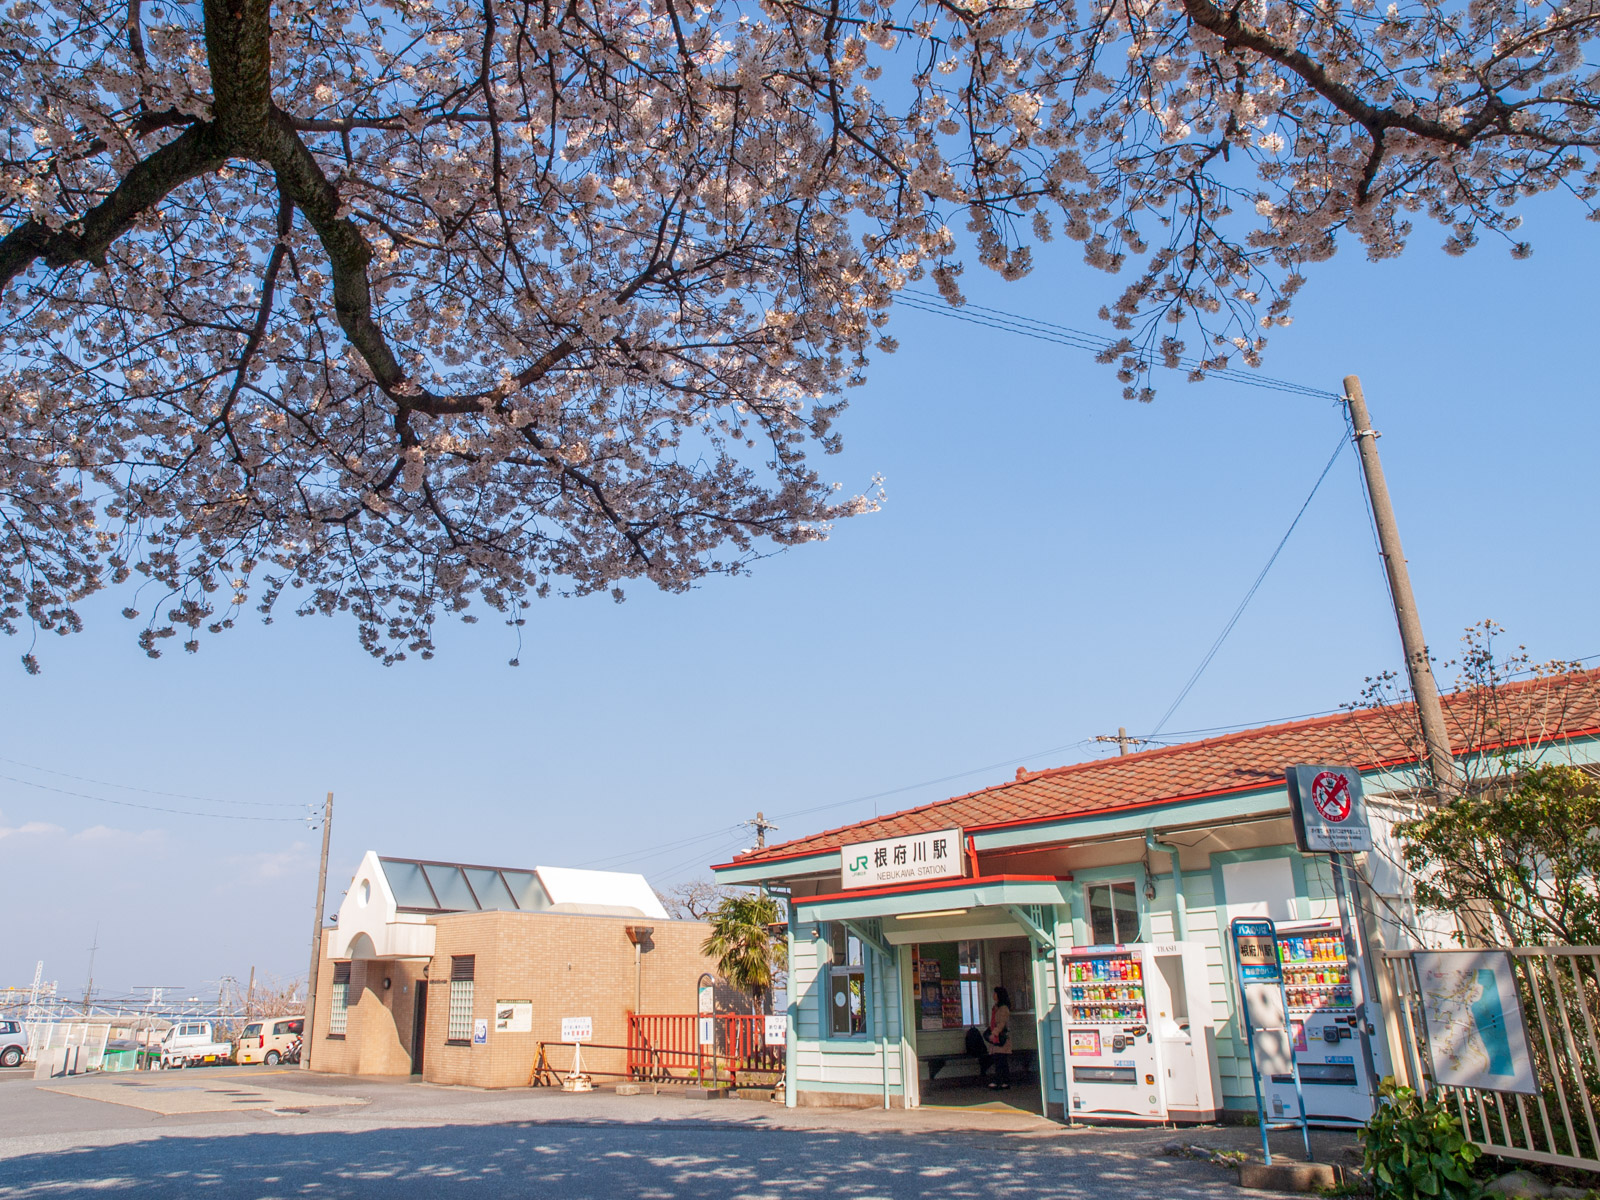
{"x":666,"y":1047}
{"x":1559,"y":992}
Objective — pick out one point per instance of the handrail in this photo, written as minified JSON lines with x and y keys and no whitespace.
{"x":546,"y":1074}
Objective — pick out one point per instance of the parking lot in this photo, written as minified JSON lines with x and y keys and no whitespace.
{"x":263,"y":1132}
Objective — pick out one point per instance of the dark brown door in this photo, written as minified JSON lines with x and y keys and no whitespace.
{"x":419,"y":1027}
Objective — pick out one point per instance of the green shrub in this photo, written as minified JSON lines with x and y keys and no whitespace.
{"x":1416,"y":1149}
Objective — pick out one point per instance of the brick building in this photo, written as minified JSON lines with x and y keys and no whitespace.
{"x":457,"y":973}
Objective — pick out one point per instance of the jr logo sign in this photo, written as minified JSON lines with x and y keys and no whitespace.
{"x":913,"y":858}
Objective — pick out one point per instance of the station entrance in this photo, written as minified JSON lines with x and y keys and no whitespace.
{"x":951,"y":994}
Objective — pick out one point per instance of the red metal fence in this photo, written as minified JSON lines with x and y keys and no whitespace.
{"x":668,"y":1047}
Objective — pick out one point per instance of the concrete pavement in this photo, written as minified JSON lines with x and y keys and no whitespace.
{"x":379,"y":1138}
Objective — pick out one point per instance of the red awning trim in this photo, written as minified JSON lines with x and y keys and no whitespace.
{"x":932,"y":885}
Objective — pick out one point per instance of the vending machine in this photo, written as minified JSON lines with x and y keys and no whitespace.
{"x":1138,"y":1039}
{"x":1328,"y":1024}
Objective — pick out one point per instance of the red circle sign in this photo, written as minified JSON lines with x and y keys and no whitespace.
{"x":1330,"y":795}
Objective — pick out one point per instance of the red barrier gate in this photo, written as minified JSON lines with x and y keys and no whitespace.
{"x":663,"y":1047}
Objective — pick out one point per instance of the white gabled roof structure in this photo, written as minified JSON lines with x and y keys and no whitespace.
{"x":385,"y":913}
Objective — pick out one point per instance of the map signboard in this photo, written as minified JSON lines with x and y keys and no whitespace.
{"x":1330,"y":816}
{"x":1476,"y":1035}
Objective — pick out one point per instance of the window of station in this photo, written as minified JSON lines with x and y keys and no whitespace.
{"x":847,"y":983}
{"x":1113,"y":913}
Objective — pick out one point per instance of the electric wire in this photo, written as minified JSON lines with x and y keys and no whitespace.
{"x":610,"y":862}
{"x":1372,"y":523}
{"x":182,"y":812}
{"x":802,"y":812}
{"x":1205,"y":662}
{"x":1079,"y":339}
{"x":128,"y":787}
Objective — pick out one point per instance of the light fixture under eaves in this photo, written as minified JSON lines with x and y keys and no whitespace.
{"x":943,"y":912}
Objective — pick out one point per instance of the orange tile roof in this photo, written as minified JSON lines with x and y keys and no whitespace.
{"x":1542,"y":709}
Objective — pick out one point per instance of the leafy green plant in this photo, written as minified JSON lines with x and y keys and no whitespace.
{"x":1520,"y":851}
{"x":747,"y":953}
{"x":1415,"y":1149}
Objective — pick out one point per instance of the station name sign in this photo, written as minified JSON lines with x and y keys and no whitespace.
{"x":908,"y":859}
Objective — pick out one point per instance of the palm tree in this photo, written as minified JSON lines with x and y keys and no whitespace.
{"x":747,"y":954}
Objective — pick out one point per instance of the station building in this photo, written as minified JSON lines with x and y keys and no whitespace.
{"x":457,"y":972}
{"x":1160,"y":849}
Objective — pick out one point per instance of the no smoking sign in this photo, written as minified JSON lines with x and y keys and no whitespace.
{"x":1329,"y":814}
{"x":1330,"y":794}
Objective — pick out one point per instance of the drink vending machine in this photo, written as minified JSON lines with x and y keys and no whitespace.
{"x":1138,"y":1039}
{"x":1327,"y":1022}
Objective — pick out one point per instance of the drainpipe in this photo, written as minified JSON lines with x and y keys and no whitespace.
{"x":793,"y":1031}
{"x":1180,"y":903}
{"x":883,"y":1025}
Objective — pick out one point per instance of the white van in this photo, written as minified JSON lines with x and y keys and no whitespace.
{"x":268,"y":1041}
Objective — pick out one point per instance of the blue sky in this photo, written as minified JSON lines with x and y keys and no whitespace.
{"x":1052,"y":563}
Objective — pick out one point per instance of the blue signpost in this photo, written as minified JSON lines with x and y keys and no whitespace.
{"x":1264,"y":1013}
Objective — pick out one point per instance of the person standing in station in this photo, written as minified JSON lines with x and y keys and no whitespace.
{"x":998,"y":1036}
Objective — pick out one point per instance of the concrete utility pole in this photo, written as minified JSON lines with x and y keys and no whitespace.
{"x":1424,"y":690}
{"x":316,"y":935}
{"x":1122,"y":739}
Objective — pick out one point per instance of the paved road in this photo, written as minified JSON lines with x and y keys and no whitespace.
{"x":392,"y":1141}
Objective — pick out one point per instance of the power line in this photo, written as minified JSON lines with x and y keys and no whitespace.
{"x":182,"y":812}
{"x":611,"y":861}
{"x":127,"y":787}
{"x":1079,"y":339}
{"x":911,"y":787}
{"x":1254,"y":587}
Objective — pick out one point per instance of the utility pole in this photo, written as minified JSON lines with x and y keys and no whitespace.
{"x":1122,"y":739}
{"x":761,"y":825}
{"x":1424,"y":689}
{"x":316,"y":935}
{"x":33,"y":997}
{"x":88,"y":988}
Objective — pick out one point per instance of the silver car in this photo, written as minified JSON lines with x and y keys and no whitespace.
{"x":13,"y":1043}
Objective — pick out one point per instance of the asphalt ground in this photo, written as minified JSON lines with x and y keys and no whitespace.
{"x":261,"y":1133}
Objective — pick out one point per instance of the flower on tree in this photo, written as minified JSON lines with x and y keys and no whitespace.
{"x":391,"y":308}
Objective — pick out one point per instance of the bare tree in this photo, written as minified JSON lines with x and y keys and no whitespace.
{"x":386,"y":308}
{"x":694,"y":900}
{"x":1509,"y":721}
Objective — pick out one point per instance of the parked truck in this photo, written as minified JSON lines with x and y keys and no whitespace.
{"x":193,"y":1044}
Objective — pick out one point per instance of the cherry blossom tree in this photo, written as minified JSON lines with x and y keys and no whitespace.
{"x":389,"y":306}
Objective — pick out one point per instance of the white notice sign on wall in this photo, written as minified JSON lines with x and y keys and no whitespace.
{"x":912,"y":858}
{"x":777,"y":1031}
{"x":513,"y":1016}
{"x":577,"y":1029}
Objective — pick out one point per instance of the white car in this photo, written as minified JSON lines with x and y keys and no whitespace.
{"x":13,"y":1043}
{"x":191,"y":1044}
